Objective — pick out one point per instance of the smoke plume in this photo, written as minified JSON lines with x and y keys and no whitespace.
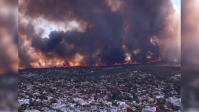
{"x":74,"y":32}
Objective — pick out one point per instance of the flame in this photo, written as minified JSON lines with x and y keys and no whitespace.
{"x":75,"y":64}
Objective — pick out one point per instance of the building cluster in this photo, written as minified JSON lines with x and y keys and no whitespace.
{"x":102,"y":89}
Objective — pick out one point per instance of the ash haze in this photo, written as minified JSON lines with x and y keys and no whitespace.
{"x":73,"y":33}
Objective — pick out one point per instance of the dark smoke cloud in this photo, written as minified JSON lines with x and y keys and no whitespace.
{"x":57,"y":44}
{"x":145,"y":18}
{"x":109,"y":31}
{"x":25,"y":33}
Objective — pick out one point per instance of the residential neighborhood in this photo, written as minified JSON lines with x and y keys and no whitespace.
{"x":100,"y":89}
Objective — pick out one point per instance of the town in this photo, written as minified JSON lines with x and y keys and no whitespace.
{"x":99,"y":89}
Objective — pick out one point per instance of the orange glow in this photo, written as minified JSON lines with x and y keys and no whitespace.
{"x":100,"y":65}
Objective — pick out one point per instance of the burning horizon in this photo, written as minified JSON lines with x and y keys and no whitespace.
{"x":102,"y":65}
{"x":84,"y":33}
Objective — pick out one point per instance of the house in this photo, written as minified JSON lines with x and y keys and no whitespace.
{"x":23,"y":101}
{"x":149,"y":109}
{"x":112,"y":109}
{"x":151,"y":99}
{"x":120,"y":102}
{"x":174,"y":101}
{"x":31,"y":110}
{"x":159,"y":96}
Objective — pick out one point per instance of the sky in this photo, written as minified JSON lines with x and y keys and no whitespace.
{"x":177,"y":3}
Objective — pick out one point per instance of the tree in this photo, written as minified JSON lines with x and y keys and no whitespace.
{"x":129,"y":110}
{"x":53,"y":100}
{"x":162,"y":107}
{"x":19,"y":109}
{"x":51,"y":90}
{"x":43,"y":97}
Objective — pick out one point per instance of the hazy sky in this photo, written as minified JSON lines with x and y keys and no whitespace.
{"x":177,"y":3}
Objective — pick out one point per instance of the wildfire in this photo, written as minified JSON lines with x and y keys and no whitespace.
{"x":70,"y":39}
{"x":102,"y":65}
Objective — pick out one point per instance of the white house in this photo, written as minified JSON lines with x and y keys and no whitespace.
{"x":149,"y":109}
{"x":23,"y":101}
